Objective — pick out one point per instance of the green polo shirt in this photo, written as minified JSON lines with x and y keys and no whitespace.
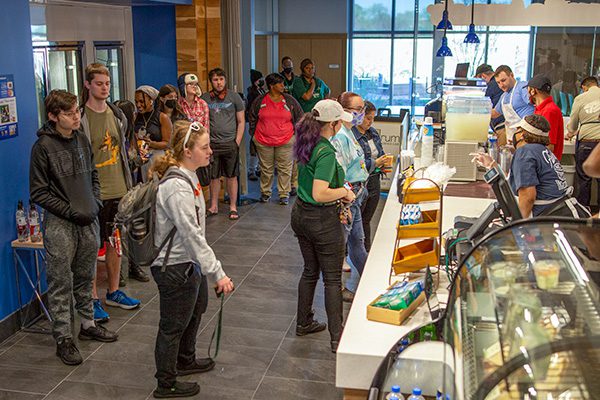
{"x":323,"y":166}
{"x":301,"y":86}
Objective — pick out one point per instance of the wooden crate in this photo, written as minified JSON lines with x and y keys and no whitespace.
{"x":428,"y":228}
{"x":394,"y":317}
{"x":416,"y":256}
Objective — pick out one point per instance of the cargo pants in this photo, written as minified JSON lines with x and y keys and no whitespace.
{"x":71,"y":252}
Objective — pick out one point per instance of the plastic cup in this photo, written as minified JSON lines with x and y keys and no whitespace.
{"x":546,"y":274}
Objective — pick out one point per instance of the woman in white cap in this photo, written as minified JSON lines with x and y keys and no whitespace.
{"x":536,"y":175}
{"x":151,"y":125}
{"x":316,"y":216}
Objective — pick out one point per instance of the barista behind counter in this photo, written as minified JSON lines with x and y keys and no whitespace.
{"x":536,"y":175}
{"x":514,"y":103}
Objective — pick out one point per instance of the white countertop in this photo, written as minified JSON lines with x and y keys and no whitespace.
{"x":365,"y":343}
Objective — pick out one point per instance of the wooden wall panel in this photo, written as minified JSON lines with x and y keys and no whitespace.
{"x":198,"y":38}
{"x":325,"y":50}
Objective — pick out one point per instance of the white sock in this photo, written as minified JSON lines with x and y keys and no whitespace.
{"x":87,"y":323}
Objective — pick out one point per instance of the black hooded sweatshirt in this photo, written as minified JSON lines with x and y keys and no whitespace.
{"x":62,"y":176}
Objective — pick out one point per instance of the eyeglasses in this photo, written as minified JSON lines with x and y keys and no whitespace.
{"x":357,"y":109}
{"x":71,"y":114}
{"x":194,"y":126}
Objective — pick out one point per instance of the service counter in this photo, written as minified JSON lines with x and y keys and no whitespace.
{"x":365,"y":343}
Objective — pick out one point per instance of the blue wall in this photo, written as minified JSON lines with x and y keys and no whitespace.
{"x":154,"y":45}
{"x":16,"y":59}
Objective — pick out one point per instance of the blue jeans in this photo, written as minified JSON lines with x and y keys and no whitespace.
{"x":354,"y":236}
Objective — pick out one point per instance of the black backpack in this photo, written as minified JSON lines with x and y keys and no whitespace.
{"x":136,"y":220}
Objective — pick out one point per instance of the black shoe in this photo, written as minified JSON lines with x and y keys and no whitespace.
{"x":313,"y":327}
{"x":68,"y":352}
{"x":198,"y":366}
{"x":252,"y":176}
{"x":122,"y":281}
{"x":99,"y":333}
{"x":334,"y":346}
{"x":136,"y":272}
{"x":264,"y":198}
{"x":284,"y":201}
{"x":179,"y":389}
{"x":347,"y":296}
{"x":293,"y":192}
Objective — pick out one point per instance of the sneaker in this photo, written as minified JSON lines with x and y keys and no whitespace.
{"x":179,"y":389}
{"x":120,"y":299}
{"x":264,"y":198}
{"x":313,"y":327}
{"x":98,"y":333}
{"x":68,"y":352}
{"x":137,"y":273}
{"x":100,"y":315}
{"x":293,"y":192}
{"x":346,"y":267}
{"x":284,"y":201}
{"x":347,"y":296}
{"x":198,"y":366}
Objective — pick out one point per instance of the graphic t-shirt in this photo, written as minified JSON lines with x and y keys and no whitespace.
{"x":106,"y":146}
{"x":223,"y":122}
{"x":535,"y":165}
{"x":350,"y":155}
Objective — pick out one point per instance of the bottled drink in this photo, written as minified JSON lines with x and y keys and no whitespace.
{"x":416,"y":395}
{"x":394,"y":394}
{"x":493,"y":147}
{"x":34,"y":223}
{"x":22,"y":233}
{"x":427,"y":142}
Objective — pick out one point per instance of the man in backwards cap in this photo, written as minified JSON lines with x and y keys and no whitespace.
{"x":539,"y":88}
{"x":192,"y":105}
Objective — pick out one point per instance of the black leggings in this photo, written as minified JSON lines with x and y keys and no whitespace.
{"x":321,"y":241}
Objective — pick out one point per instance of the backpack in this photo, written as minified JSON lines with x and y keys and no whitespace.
{"x":136,"y":220}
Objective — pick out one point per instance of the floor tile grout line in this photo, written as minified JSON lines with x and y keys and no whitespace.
{"x":99,"y":347}
{"x":273,"y":358}
{"x":248,"y":274}
{"x":22,"y":391}
{"x":233,"y":225}
{"x":14,"y":344}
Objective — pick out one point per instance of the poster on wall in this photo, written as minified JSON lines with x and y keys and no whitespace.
{"x":8,"y":108}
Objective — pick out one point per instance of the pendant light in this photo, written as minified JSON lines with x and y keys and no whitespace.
{"x":444,"y":50}
{"x":445,"y":22}
{"x":472,"y":36}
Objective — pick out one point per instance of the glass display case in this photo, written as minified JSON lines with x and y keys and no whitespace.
{"x":522,"y":321}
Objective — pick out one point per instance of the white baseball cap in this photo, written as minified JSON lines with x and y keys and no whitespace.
{"x":331,"y":110}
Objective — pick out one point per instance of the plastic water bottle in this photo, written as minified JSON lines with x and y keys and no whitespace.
{"x":22,"y":231}
{"x":416,"y":395}
{"x":493,"y":147}
{"x":427,"y":142}
{"x":394,"y":394}
{"x":34,"y":223}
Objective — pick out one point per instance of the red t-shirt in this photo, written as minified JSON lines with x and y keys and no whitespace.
{"x":552,"y":113}
{"x":274,"y":126}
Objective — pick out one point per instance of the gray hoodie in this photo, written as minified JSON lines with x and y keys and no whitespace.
{"x":177,"y":205}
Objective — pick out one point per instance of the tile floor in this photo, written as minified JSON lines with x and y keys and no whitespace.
{"x":260,"y":357}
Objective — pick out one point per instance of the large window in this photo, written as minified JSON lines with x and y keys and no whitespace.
{"x":393,"y":46}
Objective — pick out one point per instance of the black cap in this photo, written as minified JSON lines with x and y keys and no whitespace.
{"x":483,"y":68}
{"x":255,"y":75}
{"x":540,"y":82}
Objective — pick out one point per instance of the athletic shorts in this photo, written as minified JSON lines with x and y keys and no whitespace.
{"x":225,"y":160}
{"x":107,"y":218}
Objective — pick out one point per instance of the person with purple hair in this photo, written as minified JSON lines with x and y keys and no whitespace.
{"x":316,"y":218}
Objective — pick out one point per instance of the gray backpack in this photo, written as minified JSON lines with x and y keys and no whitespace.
{"x":136,"y":220}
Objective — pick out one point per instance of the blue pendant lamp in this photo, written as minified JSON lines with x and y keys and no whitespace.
{"x":444,"y":50}
{"x":472,"y":36}
{"x":445,"y":22}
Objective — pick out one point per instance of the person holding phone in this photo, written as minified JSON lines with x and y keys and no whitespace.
{"x":182,"y":278}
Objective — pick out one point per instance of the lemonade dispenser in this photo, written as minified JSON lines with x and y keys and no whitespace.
{"x":467,"y":118}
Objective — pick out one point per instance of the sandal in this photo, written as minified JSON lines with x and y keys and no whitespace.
{"x":234,"y":215}
{"x":210,"y":213}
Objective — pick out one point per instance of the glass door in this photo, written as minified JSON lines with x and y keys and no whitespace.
{"x":57,"y":66}
{"x":111,"y":55}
